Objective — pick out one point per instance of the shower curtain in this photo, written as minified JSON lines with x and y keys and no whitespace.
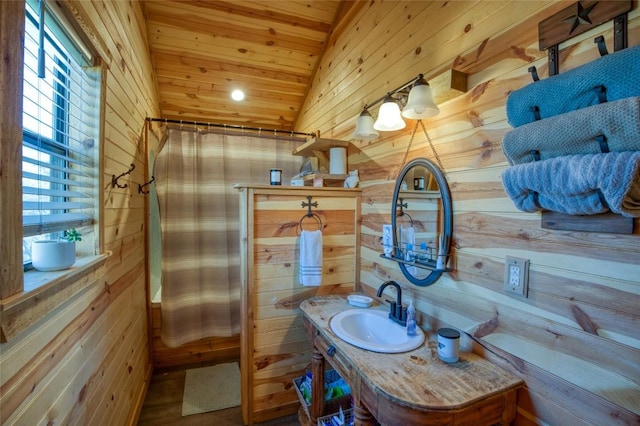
{"x":194,"y":175}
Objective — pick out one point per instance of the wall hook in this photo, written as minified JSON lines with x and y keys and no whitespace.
{"x":602,"y":47}
{"x":114,"y":179}
{"x":140,"y":190}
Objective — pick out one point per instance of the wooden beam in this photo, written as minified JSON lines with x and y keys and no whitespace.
{"x":12,"y":47}
{"x":448,"y":85}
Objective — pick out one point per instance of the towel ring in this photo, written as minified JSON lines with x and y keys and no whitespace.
{"x":401,"y":214}
{"x":314,"y":216}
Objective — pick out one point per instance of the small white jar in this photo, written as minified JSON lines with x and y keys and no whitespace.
{"x":276,"y":177}
{"x":448,"y":344}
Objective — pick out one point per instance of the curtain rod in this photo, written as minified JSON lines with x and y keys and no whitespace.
{"x":228,"y":126}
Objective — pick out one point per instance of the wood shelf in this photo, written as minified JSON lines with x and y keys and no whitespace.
{"x":325,"y":176}
{"x":318,"y":144}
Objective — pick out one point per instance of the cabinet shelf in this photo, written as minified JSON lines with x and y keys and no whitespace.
{"x":422,"y":264}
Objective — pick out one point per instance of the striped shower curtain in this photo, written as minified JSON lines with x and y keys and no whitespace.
{"x":194,"y":175}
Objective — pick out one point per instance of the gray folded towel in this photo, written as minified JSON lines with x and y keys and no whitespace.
{"x":577,"y":132}
{"x":582,"y":184}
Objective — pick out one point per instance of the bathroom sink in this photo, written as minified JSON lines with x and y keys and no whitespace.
{"x":371,"y":329}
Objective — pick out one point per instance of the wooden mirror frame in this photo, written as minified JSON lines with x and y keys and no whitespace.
{"x":447,"y":218}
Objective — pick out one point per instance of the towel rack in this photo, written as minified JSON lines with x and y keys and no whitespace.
{"x":310,"y":214}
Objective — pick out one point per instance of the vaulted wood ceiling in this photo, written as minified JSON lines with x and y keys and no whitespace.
{"x":202,"y":50}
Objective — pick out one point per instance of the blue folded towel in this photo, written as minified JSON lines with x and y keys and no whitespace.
{"x":575,"y":88}
{"x":577,"y":184}
{"x":577,"y":132}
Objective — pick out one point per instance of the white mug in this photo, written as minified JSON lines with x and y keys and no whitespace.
{"x":448,"y":344}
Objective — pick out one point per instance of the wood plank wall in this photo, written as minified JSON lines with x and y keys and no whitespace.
{"x":575,"y":339}
{"x":88,"y":361}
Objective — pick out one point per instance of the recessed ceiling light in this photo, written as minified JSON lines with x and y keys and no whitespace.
{"x":237,"y":95}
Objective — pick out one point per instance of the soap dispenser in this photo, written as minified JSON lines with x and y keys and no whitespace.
{"x":411,"y":320}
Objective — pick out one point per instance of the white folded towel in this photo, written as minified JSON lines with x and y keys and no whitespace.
{"x":311,"y":258}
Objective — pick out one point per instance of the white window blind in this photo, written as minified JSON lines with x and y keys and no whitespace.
{"x":61,"y":104}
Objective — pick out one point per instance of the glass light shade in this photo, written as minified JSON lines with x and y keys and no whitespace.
{"x":389,"y":117}
{"x":364,"y":127}
{"x":420,"y":103}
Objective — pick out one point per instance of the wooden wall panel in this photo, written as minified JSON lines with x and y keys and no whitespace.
{"x":88,"y":361}
{"x":215,"y":349}
{"x":275,"y":346}
{"x":583,"y":287}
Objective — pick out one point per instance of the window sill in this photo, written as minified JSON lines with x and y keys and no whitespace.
{"x":46,"y":291}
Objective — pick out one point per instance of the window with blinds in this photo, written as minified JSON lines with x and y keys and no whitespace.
{"x":61,"y":111}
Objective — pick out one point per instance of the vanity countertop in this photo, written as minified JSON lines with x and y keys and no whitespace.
{"x":418,"y":379}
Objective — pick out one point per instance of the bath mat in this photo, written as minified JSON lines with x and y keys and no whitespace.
{"x":211,"y":389}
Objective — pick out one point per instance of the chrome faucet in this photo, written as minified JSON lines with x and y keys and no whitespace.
{"x":397,"y":312}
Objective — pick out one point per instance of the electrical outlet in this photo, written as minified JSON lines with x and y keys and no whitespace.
{"x":516,"y":276}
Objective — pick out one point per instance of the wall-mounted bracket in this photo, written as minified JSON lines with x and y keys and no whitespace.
{"x":554,"y":60}
{"x":620,"y":32}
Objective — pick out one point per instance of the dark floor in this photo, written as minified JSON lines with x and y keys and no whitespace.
{"x":163,"y":406}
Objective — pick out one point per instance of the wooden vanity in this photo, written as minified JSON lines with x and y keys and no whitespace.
{"x":411,"y":388}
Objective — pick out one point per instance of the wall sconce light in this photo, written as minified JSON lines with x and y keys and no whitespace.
{"x":389,"y":118}
{"x":417,"y":103}
{"x":364,"y":127}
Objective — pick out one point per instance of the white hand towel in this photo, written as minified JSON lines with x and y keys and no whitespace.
{"x":311,"y":258}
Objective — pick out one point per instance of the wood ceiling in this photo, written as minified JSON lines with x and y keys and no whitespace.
{"x":202,"y":50}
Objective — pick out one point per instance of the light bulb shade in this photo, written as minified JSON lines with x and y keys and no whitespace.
{"x":389,"y":117}
{"x":420,"y":103}
{"x":364,"y":127}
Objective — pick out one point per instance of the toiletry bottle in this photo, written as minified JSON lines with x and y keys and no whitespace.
{"x":411,"y":319}
{"x":409,"y":255}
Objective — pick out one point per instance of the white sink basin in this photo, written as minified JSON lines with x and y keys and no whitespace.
{"x":373,"y":330}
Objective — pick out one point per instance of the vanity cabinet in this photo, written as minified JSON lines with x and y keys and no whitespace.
{"x":274,"y":344}
{"x":411,"y":388}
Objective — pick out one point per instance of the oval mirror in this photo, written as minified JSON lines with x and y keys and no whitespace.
{"x":422,"y":222}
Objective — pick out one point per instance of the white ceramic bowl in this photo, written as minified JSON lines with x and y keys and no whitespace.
{"x":53,"y":255}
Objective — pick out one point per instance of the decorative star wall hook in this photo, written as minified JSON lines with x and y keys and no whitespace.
{"x":581,"y":17}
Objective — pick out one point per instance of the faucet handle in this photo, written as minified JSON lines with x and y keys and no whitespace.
{"x":392,"y":306}
{"x":403,"y":314}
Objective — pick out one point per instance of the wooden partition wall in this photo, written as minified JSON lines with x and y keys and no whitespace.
{"x":575,"y":339}
{"x":275,"y":346}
